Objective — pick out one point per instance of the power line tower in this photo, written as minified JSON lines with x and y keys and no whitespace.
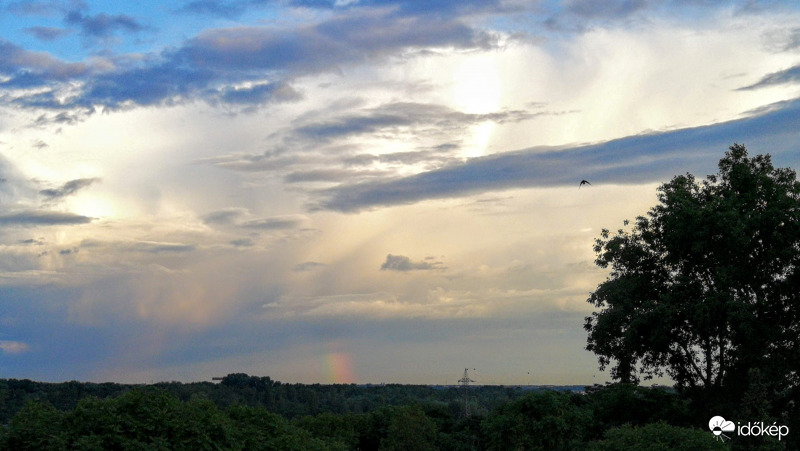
{"x":464,"y":382}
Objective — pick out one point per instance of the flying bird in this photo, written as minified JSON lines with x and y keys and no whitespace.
{"x":583,"y":182}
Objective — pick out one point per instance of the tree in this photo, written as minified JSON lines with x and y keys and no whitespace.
{"x":656,"y":437}
{"x":705,"y":286}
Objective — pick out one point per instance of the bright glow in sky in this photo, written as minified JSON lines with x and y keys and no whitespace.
{"x":365,"y":191}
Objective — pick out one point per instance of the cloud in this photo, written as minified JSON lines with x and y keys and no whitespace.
{"x":259,"y":94}
{"x":344,"y":39}
{"x":277,"y":223}
{"x":239,"y":217}
{"x":405,"y":114}
{"x":308,"y":266}
{"x":402,"y":263}
{"x":20,"y":64}
{"x":149,"y":247}
{"x":42,"y":218}
{"x":609,"y":9}
{"x":103,"y":25}
{"x":241,"y":66}
{"x":243,"y":242}
{"x":226,"y":216}
{"x":68,"y":188}
{"x":786,"y":76}
{"x":42,"y":7}
{"x":226,"y":9}
{"x":635,"y":159}
{"x":48,"y":34}
{"x":13,"y":347}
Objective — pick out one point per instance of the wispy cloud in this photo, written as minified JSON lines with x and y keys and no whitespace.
{"x":103,"y":25}
{"x":786,"y":76}
{"x":42,"y":218}
{"x":636,"y":159}
{"x":402,"y":263}
{"x":47,"y":33}
{"x":13,"y":347}
{"x":68,"y":188}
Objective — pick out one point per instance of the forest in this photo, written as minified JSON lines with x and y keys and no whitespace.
{"x":244,"y":412}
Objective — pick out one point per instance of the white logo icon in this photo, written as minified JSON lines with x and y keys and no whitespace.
{"x":718,"y":425}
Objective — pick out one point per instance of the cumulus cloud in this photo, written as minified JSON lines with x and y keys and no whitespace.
{"x":402,"y":263}
{"x":68,"y":188}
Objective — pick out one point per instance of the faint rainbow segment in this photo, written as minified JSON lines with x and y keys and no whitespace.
{"x":340,"y":368}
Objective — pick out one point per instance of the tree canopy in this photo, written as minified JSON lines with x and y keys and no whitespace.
{"x":706,"y":285}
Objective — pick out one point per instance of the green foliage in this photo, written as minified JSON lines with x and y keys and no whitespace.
{"x":36,"y":427}
{"x":705,"y":286}
{"x":619,"y":416}
{"x":657,"y":437}
{"x":618,"y":404}
{"x":409,"y":428}
{"x":545,"y":420}
{"x":257,"y":429}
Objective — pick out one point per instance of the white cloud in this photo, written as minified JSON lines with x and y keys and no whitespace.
{"x":13,"y":347}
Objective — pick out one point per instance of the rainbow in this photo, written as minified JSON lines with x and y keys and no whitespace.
{"x":340,"y":368}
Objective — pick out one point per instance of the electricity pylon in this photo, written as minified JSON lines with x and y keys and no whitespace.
{"x":464,"y":382}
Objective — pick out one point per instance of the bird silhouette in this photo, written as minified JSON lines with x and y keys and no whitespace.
{"x":583,"y":182}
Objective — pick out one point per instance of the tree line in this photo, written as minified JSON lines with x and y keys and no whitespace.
{"x":247,"y":413}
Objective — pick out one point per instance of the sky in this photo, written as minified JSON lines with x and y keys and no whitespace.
{"x":352,"y":191}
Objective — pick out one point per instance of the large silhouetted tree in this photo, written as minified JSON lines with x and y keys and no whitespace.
{"x":707,"y":284}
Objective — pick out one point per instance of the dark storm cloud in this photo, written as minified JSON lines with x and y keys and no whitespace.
{"x":402,"y":263}
{"x":42,"y":218}
{"x":68,"y":188}
{"x":787,"y":76}
{"x":636,"y":159}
